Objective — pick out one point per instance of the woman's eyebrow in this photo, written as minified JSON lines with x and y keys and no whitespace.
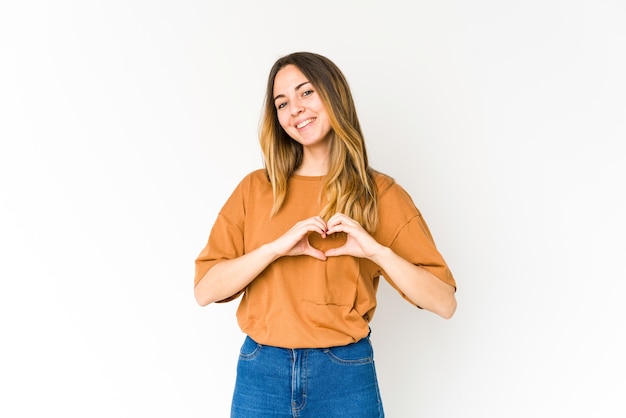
{"x":295,"y":89}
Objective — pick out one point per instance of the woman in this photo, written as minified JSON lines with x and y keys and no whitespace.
{"x":304,"y":241}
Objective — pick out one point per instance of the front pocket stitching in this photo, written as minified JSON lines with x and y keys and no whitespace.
{"x":355,"y":362}
{"x":250,"y":356}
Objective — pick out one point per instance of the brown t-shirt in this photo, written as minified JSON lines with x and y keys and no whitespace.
{"x":303,"y":302}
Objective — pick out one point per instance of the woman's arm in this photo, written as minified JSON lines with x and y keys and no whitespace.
{"x":419,"y":285}
{"x":422,"y":287}
{"x":228,"y":277}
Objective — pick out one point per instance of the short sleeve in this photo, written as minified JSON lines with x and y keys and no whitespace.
{"x":414,"y":243}
{"x":403,"y":229}
{"x":226,"y":239}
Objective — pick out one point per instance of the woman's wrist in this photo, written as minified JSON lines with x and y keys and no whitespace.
{"x":380,"y":254}
{"x":269,"y":252}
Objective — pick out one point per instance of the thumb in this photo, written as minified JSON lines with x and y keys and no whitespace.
{"x":315,"y":253}
{"x":333,"y":252}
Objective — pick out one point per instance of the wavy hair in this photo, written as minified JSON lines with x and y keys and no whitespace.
{"x":349,"y":185}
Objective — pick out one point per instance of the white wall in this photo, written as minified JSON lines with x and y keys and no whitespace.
{"x":126,"y":124}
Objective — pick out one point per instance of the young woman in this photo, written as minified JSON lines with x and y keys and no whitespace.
{"x":304,"y":242}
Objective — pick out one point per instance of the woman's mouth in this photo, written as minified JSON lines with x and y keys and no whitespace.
{"x":304,"y":123}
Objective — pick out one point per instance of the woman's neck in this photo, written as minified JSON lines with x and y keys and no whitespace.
{"x":313,"y":164}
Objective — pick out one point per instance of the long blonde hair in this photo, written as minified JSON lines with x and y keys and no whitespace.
{"x":349,"y":186}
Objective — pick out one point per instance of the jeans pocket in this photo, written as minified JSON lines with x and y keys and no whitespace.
{"x":249,"y":349}
{"x":354,"y":354}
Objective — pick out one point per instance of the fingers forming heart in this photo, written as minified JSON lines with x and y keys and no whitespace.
{"x":335,"y":240}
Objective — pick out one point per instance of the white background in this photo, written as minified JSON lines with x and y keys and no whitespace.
{"x":125,"y":125}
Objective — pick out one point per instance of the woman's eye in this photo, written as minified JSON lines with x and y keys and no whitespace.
{"x":281,"y":105}
{"x":307,"y":92}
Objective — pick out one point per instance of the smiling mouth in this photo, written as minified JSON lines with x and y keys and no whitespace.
{"x":304,"y":123}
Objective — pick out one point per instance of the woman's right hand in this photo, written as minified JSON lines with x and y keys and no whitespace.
{"x":228,"y":277}
{"x":296,"y":240}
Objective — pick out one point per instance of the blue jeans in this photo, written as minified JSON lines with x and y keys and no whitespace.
{"x":316,"y":383}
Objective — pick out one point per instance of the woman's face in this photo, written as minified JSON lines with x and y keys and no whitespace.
{"x":300,"y":110}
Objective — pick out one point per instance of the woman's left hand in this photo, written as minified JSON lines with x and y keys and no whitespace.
{"x":358,"y":242}
{"x":419,"y":285}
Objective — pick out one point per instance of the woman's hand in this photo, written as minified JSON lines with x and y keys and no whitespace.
{"x":296,"y":242}
{"x":358,"y":242}
{"x":419,"y":285}
{"x":228,"y":277}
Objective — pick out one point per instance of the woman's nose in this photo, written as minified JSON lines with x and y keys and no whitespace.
{"x":296,"y":107}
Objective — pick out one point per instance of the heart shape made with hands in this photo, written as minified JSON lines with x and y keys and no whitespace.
{"x":335,"y":240}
